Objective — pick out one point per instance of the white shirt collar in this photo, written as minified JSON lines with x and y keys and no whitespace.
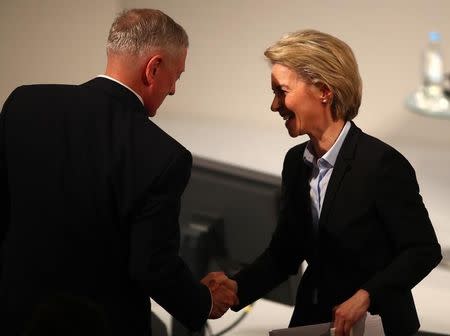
{"x":119,"y":82}
{"x":331,"y":155}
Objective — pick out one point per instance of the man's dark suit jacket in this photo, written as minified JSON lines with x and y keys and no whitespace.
{"x":90,"y":192}
{"x":374,"y":234}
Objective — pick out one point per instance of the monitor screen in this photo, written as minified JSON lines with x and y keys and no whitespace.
{"x":241,"y":207}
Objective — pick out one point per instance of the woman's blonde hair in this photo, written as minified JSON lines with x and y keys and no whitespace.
{"x":321,"y":59}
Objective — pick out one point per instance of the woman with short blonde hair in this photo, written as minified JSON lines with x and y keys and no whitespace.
{"x":350,"y":204}
{"x":322,"y":59}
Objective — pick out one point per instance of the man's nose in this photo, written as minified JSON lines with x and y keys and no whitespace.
{"x":172,"y":90}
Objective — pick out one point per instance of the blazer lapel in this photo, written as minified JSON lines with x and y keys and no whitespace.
{"x":342,"y":166}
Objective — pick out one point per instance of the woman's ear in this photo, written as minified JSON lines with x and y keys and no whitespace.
{"x":151,"y":69}
{"x":325,"y":93}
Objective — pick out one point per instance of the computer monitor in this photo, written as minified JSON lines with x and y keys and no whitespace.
{"x":240,"y":207}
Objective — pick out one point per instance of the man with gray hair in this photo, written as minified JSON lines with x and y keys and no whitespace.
{"x":91,"y":189}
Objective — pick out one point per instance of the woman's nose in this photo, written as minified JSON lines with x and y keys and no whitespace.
{"x":275,"y":104}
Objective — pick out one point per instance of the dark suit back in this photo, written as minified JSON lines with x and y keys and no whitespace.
{"x":93,"y":189}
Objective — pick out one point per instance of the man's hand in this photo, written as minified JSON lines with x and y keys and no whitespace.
{"x":223,"y":291}
{"x":350,"y":311}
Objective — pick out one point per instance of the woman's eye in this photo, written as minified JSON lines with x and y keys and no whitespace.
{"x":279,"y":92}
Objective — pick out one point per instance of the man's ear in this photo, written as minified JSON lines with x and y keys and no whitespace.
{"x":151,"y":69}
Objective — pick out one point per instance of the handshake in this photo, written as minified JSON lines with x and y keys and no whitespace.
{"x":223,"y":293}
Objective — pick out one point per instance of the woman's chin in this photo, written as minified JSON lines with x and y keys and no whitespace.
{"x":292,"y":130}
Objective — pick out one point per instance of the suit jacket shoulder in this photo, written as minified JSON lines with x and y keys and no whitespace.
{"x":360,"y":144}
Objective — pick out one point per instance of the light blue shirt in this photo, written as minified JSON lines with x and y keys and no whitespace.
{"x":322,"y":168}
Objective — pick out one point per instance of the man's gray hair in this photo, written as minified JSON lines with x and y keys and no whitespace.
{"x":136,"y":31}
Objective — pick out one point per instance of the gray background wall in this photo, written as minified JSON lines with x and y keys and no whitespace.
{"x":221,"y":108}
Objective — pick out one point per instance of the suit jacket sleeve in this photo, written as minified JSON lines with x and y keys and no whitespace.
{"x":413,"y":240}
{"x":154,"y":259}
{"x":4,"y":189}
{"x":284,"y":254}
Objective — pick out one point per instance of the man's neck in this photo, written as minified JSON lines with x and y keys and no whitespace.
{"x":124,"y":85}
{"x":124,"y":69}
